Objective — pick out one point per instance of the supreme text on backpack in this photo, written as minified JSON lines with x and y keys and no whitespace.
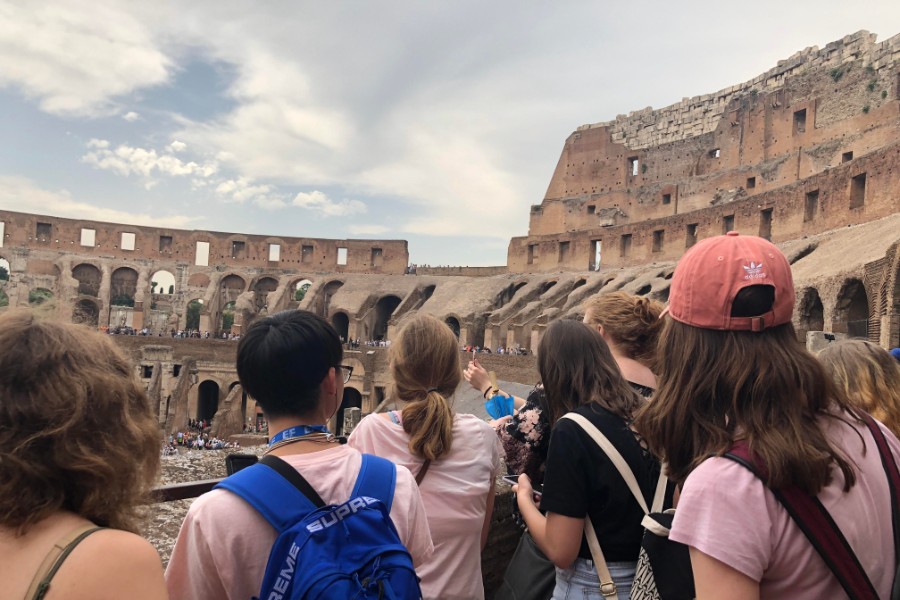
{"x":348,"y":550}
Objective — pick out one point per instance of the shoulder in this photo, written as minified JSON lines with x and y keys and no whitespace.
{"x":111,"y":564}
{"x":467,"y":422}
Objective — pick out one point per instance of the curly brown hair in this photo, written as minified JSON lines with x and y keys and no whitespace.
{"x":632,"y":322}
{"x":76,"y":430}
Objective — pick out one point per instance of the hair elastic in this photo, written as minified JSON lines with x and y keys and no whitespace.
{"x":429,"y":390}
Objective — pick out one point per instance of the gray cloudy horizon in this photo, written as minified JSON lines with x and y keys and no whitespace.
{"x":435,"y":122}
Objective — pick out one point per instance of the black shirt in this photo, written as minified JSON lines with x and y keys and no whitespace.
{"x":580,"y":480}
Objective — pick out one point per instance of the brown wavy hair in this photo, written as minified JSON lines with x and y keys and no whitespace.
{"x":632,"y":322}
{"x":716,"y":387}
{"x":869,"y":376}
{"x":426,"y":372}
{"x":577,"y":368}
{"x":76,"y":430}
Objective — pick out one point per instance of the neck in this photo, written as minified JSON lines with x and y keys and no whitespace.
{"x":632,"y":370}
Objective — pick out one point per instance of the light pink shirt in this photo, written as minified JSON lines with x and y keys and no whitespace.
{"x":727,"y":513}
{"x":455,"y":492}
{"x":223,"y":545}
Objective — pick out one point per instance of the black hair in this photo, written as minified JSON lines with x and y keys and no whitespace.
{"x":282,"y":360}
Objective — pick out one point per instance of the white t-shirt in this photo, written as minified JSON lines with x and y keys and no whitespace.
{"x":455,"y":492}
{"x":729,"y":514}
{"x":224,"y":544}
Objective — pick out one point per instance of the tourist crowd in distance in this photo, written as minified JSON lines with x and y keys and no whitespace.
{"x":174,"y":333}
{"x":709,"y":405}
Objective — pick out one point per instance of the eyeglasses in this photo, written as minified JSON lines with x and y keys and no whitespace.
{"x":347,"y":371}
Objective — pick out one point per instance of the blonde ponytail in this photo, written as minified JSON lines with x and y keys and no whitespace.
{"x":426,"y":372}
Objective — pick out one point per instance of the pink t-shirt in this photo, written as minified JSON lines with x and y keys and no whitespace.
{"x":455,"y":492}
{"x":223,"y":545}
{"x":727,"y":513}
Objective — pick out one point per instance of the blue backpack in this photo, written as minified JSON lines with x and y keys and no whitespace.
{"x":344,"y":551}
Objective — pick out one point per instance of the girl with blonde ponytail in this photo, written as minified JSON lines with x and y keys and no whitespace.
{"x":455,"y":457}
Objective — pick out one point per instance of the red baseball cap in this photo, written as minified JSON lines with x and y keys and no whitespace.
{"x":712,"y":272}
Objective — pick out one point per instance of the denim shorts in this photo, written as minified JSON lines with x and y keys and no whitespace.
{"x":581,"y":582}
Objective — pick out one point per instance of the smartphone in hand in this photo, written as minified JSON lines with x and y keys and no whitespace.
{"x":514,"y":480}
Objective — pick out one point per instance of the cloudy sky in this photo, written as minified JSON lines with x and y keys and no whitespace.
{"x":438,"y":122}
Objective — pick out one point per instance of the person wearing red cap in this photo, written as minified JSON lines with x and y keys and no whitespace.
{"x":732,"y":374}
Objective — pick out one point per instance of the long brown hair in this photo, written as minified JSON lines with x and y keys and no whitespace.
{"x":426,"y":372}
{"x":577,"y":368}
{"x":632,"y":322}
{"x":77,"y":432}
{"x":869,"y":376}
{"x":718,"y":386}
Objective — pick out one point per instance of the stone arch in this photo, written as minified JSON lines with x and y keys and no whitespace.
{"x":38,"y":296}
{"x":546,"y":286}
{"x":579,"y":283}
{"x":851,"y":314}
{"x":207,"y":400}
{"x":341,"y":323}
{"x":193,"y":310}
{"x":299,"y":288}
{"x":894,"y":309}
{"x":262,"y":288}
{"x":162,"y":282}
{"x":453,"y":323}
{"x":226,"y":321}
{"x":4,"y":269}
{"x":198,"y":280}
{"x":810,"y":313}
{"x":425,"y":294}
{"x":88,"y":277}
{"x":352,"y":399}
{"x":86,"y":312}
{"x":384,"y":309}
{"x":328,"y":291}
{"x":644,"y":290}
{"x":506,"y":294}
{"x":123,"y":287}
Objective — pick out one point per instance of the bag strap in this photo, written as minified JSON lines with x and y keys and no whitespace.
{"x":40,"y":583}
{"x":377,"y":479}
{"x":276,"y":490}
{"x":607,"y":585}
{"x":817,"y":525}
{"x":893,"y":476}
{"x":422,"y":471}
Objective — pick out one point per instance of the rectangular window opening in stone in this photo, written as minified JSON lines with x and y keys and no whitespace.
{"x":858,"y":191}
{"x":238,"y":250}
{"x":625,"y":245}
{"x":596,"y":254}
{"x":146,"y":371}
{"x":201,"y":256}
{"x":658,"y":240}
{"x":2,"y":232}
{"x":377,"y":257}
{"x":274,"y":252}
{"x":691,"y":237}
{"x":88,"y":237}
{"x":176,"y":370}
{"x":727,"y":223}
{"x":43,"y":232}
{"x":811,"y":207}
{"x":592,"y":209}
{"x":715,"y":153}
{"x":564,"y":251}
{"x":667,"y":198}
{"x":751,"y":183}
{"x":765,"y":224}
{"x":342,"y":256}
{"x":165,"y":243}
{"x":799,"y":121}
{"x":846,"y":157}
{"x":306,"y":254}
{"x":633,"y":165}
{"x":532,"y":253}
{"x":127,"y":242}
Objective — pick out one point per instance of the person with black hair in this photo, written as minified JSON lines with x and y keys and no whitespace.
{"x":290,"y":363}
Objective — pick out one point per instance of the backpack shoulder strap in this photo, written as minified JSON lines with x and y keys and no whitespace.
{"x":377,"y":479}
{"x":614,"y":456}
{"x":269,"y":488}
{"x":818,"y":526}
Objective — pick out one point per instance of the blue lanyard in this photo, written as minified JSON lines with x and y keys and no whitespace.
{"x":296,"y":432}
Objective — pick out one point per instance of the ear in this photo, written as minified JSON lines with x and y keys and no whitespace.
{"x":329,"y":383}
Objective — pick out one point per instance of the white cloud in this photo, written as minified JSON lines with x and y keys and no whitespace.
{"x":176,"y":146}
{"x":23,"y":195}
{"x":127,"y":160}
{"x":367,"y":229}
{"x":243,"y":189}
{"x":318,"y":202}
{"x":74,"y":61}
{"x":131,"y":116}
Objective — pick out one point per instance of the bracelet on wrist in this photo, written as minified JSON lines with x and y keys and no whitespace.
{"x":485,"y":392}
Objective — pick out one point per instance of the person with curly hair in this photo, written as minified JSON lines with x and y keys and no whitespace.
{"x":869,"y":376}
{"x":79,"y":453}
